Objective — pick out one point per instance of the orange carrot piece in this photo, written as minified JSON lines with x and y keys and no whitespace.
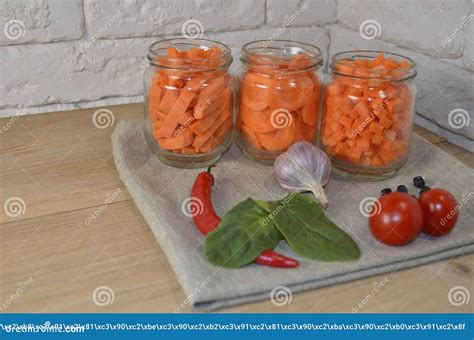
{"x":168,"y":100}
{"x":304,"y":131}
{"x":254,"y":91}
{"x":258,"y":121}
{"x":154,"y":97}
{"x":188,"y":150}
{"x":173,"y":52}
{"x":172,"y":118}
{"x":377,"y":140}
{"x":200,"y":126}
{"x":278,"y":140}
{"x":208,"y":104}
{"x":195,"y":84}
{"x":195,"y":53}
{"x":310,"y":109}
{"x":200,"y":140}
{"x":217,"y":138}
{"x":375,"y":128}
{"x":363,"y":144}
{"x":183,"y":139}
{"x":385,"y":122}
{"x":250,"y":137}
{"x":290,"y":92}
{"x":182,"y":102}
{"x":300,"y":60}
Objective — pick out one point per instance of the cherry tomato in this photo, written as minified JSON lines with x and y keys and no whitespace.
{"x":396,"y":219}
{"x":440,"y":211}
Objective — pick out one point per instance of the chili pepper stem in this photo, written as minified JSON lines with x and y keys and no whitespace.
{"x":210,"y":167}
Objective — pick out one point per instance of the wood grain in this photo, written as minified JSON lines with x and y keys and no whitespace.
{"x":80,"y":230}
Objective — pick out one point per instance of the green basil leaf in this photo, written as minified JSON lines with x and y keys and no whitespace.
{"x":244,"y":232}
{"x":309,"y":232}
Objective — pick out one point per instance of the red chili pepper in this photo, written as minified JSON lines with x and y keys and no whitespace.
{"x":208,"y":220}
{"x":273,"y":259}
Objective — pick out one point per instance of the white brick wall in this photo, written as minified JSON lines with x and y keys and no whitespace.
{"x":67,"y":54}
{"x":40,"y":21}
{"x":421,"y":25}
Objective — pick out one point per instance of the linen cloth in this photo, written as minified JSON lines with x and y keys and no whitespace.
{"x":160,"y":190}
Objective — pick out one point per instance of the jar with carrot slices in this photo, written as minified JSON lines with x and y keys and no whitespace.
{"x":189,"y":101}
{"x":368,"y":113}
{"x":279,"y":97}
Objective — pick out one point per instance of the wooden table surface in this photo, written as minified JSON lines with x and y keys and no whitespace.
{"x":51,"y":260}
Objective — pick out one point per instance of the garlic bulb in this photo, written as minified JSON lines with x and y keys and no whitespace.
{"x":303,"y":167}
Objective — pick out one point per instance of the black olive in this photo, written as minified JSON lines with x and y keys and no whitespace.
{"x":419,"y":182}
{"x":402,"y":188}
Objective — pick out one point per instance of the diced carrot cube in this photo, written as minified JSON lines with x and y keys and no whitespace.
{"x":377,"y":139}
{"x":344,"y":67}
{"x":387,"y":156}
{"x":363,"y":144}
{"x":366,"y":134}
{"x":390,"y":64}
{"x":385,"y":122}
{"x":391,"y":135}
{"x":345,"y":121}
{"x":355,"y":154}
{"x":375,"y":128}
{"x":362,"y":109}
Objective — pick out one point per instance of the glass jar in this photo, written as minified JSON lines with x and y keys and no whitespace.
{"x":367,"y":119}
{"x":189,"y":101}
{"x":279,"y":97}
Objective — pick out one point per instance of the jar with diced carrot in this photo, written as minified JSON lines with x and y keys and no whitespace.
{"x":189,"y":101}
{"x":368,"y":112}
{"x":279,"y":97}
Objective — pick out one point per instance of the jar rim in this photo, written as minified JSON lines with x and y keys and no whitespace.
{"x":410,"y":71}
{"x":284,"y":48}
{"x":160,"y":47}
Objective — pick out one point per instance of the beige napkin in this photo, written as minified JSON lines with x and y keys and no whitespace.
{"x":159,"y":192}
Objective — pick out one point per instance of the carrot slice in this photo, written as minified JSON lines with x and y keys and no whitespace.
{"x":173,"y":52}
{"x":254,"y":91}
{"x":310,"y":109}
{"x":200,"y":140}
{"x":258,"y":121}
{"x":290,"y":92}
{"x":172,"y":118}
{"x":168,"y":100}
{"x":221,"y":132}
{"x":301,"y":60}
{"x":278,"y":140}
{"x":200,"y":126}
{"x":182,"y":102}
{"x":250,"y":137}
{"x":207,"y":105}
{"x":304,"y":131}
{"x":195,"y":84}
{"x":154,"y":97}
{"x":217,"y":138}
{"x":194,"y":53}
{"x":183,"y":139}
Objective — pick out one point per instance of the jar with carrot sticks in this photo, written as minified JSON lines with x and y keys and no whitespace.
{"x":279,"y":97}
{"x":368,"y":113}
{"x":189,"y":101}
